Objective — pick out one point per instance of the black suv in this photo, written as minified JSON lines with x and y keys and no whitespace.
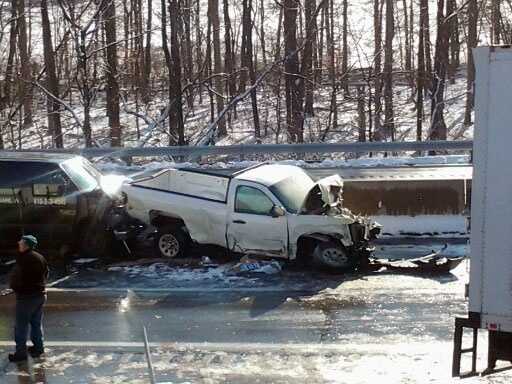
{"x":59,"y":198}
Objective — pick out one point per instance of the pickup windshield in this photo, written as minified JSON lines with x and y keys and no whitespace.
{"x":293,"y":190}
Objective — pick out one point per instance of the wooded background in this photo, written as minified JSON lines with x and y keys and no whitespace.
{"x":196,"y":72}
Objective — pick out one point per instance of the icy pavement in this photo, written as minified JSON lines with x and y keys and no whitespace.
{"x":354,"y":364}
{"x":293,"y":327}
{"x":161,"y":276}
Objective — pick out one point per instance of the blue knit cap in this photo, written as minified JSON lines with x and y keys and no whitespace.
{"x":30,"y":240}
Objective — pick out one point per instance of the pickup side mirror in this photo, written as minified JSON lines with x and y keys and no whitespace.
{"x":277,"y":211}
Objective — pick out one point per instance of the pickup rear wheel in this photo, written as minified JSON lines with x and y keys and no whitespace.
{"x":333,"y":256}
{"x":170,"y":242}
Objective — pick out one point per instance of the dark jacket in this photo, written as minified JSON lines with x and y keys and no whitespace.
{"x":30,"y":275}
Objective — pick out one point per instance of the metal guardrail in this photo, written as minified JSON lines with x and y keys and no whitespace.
{"x":252,"y":149}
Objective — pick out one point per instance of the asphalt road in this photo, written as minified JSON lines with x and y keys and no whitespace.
{"x":209,"y":326}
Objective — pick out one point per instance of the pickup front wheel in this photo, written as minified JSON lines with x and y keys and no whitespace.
{"x":170,"y":242}
{"x":334,"y":256}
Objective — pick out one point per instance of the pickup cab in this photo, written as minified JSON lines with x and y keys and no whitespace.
{"x":60,"y":198}
{"x":273,"y":211}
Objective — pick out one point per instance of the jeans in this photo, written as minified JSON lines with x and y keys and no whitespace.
{"x":29,"y":311}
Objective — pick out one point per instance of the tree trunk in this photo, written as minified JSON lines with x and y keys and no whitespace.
{"x":112,"y":76}
{"x":344,"y":60}
{"x":277,"y":78}
{"x":319,"y":68}
{"x":408,"y":50}
{"x":213,"y":16}
{"x":420,"y":77}
{"x":248,"y":63}
{"x":126,"y":32}
{"x":199,"y":55}
{"x":262,"y":33}
{"x":26,"y":75}
{"x":307,"y":56}
{"x":472,"y":42}
{"x":9,"y":68}
{"x":438,"y":125}
{"x":52,"y":84}
{"x":188,"y":50}
{"x":496,"y":22}
{"x":246,"y":31}
{"x":229,"y":59}
{"x":176,"y":124}
{"x":361,"y":116}
{"x":146,"y":86}
{"x":333,"y":114}
{"x":293,"y":79}
{"x":377,"y":75}
{"x":427,"y":43}
{"x":454,"y":39}
{"x":389,"y":123}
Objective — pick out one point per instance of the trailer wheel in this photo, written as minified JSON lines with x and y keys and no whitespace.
{"x":333,"y":256}
{"x":170,"y":242}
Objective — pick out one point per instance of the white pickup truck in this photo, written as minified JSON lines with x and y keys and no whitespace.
{"x":270,"y":210}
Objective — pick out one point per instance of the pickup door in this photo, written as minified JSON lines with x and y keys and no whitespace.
{"x":251,"y":227}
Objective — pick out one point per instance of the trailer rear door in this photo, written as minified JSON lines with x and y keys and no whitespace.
{"x":490,"y":292}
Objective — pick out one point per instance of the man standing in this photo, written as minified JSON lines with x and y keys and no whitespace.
{"x":28,"y":281}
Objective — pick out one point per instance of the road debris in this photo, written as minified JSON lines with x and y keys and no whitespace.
{"x":248,"y":265}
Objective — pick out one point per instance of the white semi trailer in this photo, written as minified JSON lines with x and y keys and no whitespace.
{"x":490,"y":284}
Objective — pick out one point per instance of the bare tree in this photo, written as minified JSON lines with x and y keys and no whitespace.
{"x":199,"y":56}
{"x":333,"y":111}
{"x":496,"y":22}
{"x":262,"y":33}
{"x":187,"y":39}
{"x":307,"y":56}
{"x":213,"y":16}
{"x":248,"y":63}
{"x":377,"y":69}
{"x":437,"y":124}
{"x":6,"y":90}
{"x":453,"y":20}
{"x":52,"y":84}
{"x":471,"y":43}
{"x":112,"y":89}
{"x":173,"y":59}
{"x":84,"y":31}
{"x":26,"y":75}
{"x":344,"y":60}
{"x":229,"y":58}
{"x":293,"y":79}
{"x":146,"y":92}
{"x":421,"y":75}
{"x":389,"y":123}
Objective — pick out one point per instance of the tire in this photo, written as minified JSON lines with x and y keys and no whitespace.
{"x":333,"y":256}
{"x":170,"y":242}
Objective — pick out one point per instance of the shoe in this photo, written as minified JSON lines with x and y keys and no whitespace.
{"x":14,"y":358}
{"x":35,"y":353}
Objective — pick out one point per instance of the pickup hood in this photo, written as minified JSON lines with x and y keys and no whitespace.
{"x":326,"y":192}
